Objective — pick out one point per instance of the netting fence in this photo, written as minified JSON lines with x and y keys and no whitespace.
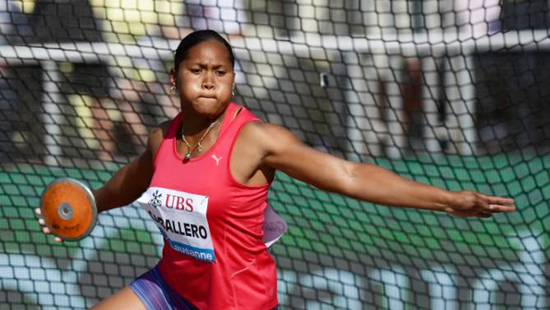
{"x":453,"y":93}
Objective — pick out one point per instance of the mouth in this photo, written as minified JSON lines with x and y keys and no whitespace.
{"x":207,"y":97}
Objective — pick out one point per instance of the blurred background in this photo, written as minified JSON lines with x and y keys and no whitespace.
{"x":453,"y":93}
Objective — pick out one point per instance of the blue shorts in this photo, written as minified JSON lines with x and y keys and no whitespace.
{"x":155,"y":294}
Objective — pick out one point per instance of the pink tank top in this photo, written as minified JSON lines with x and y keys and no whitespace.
{"x":212,"y":224}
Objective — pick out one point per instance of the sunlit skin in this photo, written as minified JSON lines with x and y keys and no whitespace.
{"x":205,"y":80}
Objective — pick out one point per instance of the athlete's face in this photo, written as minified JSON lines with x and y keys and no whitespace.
{"x":205,"y":79}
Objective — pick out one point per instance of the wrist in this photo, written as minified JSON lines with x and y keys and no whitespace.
{"x":448,"y":200}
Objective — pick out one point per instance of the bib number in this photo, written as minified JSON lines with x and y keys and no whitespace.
{"x":181,"y":218}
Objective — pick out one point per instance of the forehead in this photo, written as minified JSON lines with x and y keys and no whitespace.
{"x":209,"y":51}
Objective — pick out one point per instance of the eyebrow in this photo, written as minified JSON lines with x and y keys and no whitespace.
{"x":204,"y":65}
{"x":216,"y":65}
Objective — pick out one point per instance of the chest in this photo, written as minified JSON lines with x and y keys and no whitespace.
{"x":206,"y":177}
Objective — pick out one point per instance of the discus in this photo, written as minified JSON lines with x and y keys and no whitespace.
{"x":68,"y":209}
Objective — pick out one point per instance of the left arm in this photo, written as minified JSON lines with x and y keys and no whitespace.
{"x":284,"y":152}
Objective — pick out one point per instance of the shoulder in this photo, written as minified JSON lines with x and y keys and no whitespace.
{"x":267,"y":131}
{"x":156,"y":136}
{"x":269,"y":137}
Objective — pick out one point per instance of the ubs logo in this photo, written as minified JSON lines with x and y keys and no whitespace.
{"x":155,"y":201}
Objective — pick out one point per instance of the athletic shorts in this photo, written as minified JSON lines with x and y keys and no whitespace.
{"x":155,"y":294}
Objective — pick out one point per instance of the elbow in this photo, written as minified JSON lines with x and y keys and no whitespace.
{"x":347,"y":181}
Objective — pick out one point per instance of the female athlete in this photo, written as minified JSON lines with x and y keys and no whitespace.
{"x":204,"y":179}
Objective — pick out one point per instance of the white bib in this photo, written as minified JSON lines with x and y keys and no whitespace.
{"x":181,"y":218}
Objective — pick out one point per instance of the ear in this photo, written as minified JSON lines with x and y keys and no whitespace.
{"x":173,"y":77}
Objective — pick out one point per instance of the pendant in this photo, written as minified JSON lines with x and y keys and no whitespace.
{"x":187,"y":156}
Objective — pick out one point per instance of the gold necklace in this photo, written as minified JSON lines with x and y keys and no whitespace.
{"x":198,"y":146}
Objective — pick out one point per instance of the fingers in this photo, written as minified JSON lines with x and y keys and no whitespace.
{"x":45,"y":229}
{"x":505,"y":204}
{"x":499,"y":200}
{"x":494,"y":208}
{"x":496,"y":204}
{"x":501,"y":208}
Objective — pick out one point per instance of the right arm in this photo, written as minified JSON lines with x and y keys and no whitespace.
{"x":128,"y":183}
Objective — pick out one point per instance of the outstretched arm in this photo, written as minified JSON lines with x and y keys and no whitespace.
{"x":127,"y":184}
{"x":284,"y":152}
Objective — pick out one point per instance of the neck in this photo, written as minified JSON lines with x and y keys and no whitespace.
{"x":197,"y":145}
{"x":192,"y":127}
{"x":194,"y":124}
{"x":196,"y":130}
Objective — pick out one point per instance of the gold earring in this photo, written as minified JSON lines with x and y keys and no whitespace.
{"x":233,"y":93}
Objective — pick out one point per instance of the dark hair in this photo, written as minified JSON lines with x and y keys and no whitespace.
{"x":195,"y":38}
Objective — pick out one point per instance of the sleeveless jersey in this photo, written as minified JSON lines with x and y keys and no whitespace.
{"x":213,"y":254}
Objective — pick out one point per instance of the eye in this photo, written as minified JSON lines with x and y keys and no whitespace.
{"x":195,"y":70}
{"x":220,"y":72}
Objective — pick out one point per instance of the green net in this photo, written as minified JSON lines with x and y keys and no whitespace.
{"x":452,"y":93}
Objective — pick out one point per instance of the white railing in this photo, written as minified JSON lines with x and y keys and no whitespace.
{"x":388,"y":49}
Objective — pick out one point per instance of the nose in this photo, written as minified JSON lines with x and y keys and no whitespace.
{"x":208,"y":81}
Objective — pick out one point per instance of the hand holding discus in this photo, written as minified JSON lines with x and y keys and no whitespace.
{"x":67,"y":209}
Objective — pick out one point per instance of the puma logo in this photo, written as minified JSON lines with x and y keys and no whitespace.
{"x":217,"y":159}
